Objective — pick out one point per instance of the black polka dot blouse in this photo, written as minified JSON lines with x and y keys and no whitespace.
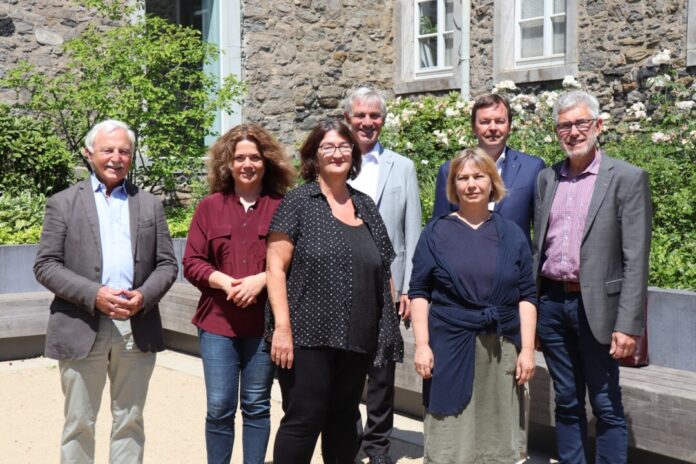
{"x":319,"y":278}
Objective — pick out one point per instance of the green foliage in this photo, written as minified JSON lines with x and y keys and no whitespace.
{"x":659,"y":136}
{"x":147,"y":73}
{"x":21,"y":217}
{"x":32,"y":158}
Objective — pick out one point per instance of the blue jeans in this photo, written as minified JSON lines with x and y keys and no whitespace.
{"x":578,"y":363}
{"x":228,"y":363}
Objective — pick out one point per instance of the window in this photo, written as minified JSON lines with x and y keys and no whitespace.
{"x":219,"y":23}
{"x":691,"y":34}
{"x":434,"y":29}
{"x":540,"y":32}
{"x":534,"y":40}
{"x":428,"y":45}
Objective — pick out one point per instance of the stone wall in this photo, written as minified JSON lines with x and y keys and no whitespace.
{"x":35,"y":30}
{"x":616,"y":40}
{"x":302,"y":57}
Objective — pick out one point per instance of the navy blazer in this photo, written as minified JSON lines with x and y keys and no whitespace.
{"x":519,"y":174}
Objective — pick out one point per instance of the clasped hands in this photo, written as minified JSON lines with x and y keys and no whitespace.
{"x":119,"y":304}
{"x":243,"y":292}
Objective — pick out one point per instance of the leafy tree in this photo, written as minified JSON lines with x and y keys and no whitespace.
{"x":147,"y":73}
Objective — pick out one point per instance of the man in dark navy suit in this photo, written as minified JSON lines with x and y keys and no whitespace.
{"x":491,"y":120}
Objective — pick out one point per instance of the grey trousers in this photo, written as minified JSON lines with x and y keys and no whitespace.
{"x":114,"y":354}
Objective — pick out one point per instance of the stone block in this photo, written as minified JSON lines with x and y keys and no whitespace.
{"x":46,"y":36}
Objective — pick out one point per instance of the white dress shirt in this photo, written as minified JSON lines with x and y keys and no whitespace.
{"x":367,"y":180}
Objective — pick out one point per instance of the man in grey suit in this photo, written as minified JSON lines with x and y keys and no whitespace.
{"x":390,"y":180}
{"x":592,"y":233}
{"x":106,"y":254}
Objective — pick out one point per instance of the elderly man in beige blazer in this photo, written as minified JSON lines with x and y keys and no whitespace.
{"x":106,"y":254}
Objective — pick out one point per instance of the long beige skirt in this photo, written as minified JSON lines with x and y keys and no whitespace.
{"x":492,"y":428}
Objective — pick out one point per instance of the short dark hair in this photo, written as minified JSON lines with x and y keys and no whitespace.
{"x":488,"y":100}
{"x":309,"y":169}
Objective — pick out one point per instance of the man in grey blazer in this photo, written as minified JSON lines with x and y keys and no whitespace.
{"x":592,"y":234}
{"x":390,"y":179}
{"x":106,"y":254}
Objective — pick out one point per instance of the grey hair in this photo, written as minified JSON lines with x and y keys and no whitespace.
{"x":108,"y":126}
{"x":572,"y":99}
{"x":364,"y":94}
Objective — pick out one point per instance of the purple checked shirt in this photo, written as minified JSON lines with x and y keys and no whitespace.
{"x":567,"y":222}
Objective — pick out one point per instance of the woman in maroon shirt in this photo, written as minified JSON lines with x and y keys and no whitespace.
{"x":225,"y":258}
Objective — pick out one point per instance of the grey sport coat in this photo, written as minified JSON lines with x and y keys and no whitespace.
{"x":615,"y":245}
{"x":69,"y":264}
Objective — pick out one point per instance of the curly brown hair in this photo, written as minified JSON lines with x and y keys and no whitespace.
{"x":309,"y":169}
{"x":279,"y":173}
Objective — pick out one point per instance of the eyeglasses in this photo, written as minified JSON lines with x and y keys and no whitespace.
{"x":329,"y":150}
{"x":582,"y":125}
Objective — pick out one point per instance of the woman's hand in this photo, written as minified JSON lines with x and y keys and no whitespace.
{"x":243,"y":292}
{"x":281,"y":347}
{"x":526,"y":365}
{"x":424,"y":361}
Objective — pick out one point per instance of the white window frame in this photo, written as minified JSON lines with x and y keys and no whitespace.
{"x":507,"y":64}
{"x":439,"y":34}
{"x":548,"y":57}
{"x":691,"y":34}
{"x":408,"y":79}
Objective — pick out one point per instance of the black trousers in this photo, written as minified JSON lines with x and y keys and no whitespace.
{"x":380,"y":410}
{"x":321,"y":394}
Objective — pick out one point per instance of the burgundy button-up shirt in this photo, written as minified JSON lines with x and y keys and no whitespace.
{"x":223,"y":237}
{"x":567,"y":222}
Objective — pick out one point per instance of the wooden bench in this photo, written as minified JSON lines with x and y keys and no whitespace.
{"x":660,"y":402}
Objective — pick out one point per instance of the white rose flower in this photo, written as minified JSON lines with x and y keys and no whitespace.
{"x":664,"y":57}
{"x":692,"y":134}
{"x":634,"y":127}
{"x":686,"y":105}
{"x":659,"y":137}
{"x":569,"y":82}
{"x":605,"y":116}
{"x":504,"y":85}
{"x":409,"y":146}
{"x":452,"y":113}
{"x":548,"y":139}
{"x":659,"y":81}
{"x":425,"y":162}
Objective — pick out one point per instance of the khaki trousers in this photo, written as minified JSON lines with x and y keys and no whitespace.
{"x":114,"y":354}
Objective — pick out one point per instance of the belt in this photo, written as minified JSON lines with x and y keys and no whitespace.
{"x":568,"y":287}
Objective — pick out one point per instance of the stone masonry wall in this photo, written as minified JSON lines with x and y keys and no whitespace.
{"x":35,"y":30}
{"x":616,"y":40}
{"x":302,"y":57}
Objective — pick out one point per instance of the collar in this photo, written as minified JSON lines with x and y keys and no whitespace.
{"x":592,"y":168}
{"x":99,"y":186}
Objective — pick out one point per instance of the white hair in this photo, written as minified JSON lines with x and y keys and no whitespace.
{"x":108,"y":126}
{"x":367,"y":95}
{"x":569,"y":100}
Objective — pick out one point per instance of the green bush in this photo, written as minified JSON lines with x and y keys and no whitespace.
{"x":149,"y":74}
{"x":658,"y":135}
{"x":21,"y":217}
{"x":32,"y":157}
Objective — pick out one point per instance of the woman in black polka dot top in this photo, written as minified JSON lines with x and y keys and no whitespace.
{"x":330,"y":311}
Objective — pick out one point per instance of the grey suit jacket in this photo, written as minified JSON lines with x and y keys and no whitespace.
{"x":398,"y":201}
{"x":615,"y":246}
{"x":69,"y":264}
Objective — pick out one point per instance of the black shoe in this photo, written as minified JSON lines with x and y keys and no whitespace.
{"x":382,"y":459}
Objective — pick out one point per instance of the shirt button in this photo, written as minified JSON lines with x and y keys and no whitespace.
{"x":244,"y":261}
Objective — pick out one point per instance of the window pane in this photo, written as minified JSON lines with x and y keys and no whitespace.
{"x":559,"y":34}
{"x":449,"y":45}
{"x":427,"y":49}
{"x":428,"y":17}
{"x":449,"y":15}
{"x":559,"y":6}
{"x":532,"y":39}
{"x":532,"y":8}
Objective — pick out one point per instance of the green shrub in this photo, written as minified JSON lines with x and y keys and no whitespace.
{"x":659,"y":136}
{"x":32,"y":157}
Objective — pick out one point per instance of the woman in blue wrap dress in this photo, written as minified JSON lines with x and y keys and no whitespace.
{"x":474,"y":317}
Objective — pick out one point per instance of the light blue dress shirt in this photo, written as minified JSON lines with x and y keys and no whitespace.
{"x":114,"y":232}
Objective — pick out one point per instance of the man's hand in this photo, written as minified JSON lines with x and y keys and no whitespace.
{"x":109,"y":302}
{"x":133,"y":303}
{"x":622,"y":345}
{"x":243,"y":292}
{"x":405,"y":307}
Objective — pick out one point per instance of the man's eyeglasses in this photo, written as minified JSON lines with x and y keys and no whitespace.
{"x":582,"y":125}
{"x":329,"y":150}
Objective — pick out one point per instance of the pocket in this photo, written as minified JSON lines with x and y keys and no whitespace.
{"x":219,"y":232}
{"x":613,"y":286}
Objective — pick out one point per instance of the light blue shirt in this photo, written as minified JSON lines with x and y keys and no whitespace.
{"x":114,"y":232}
